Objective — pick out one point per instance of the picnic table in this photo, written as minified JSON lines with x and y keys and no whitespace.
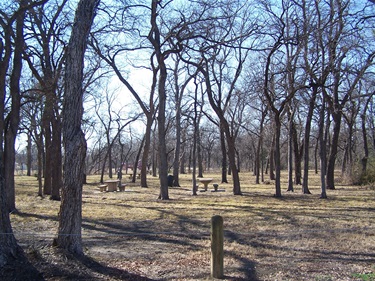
{"x":112,"y":185}
{"x":205,"y":182}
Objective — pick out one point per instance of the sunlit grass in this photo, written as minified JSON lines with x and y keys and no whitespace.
{"x":259,"y":227}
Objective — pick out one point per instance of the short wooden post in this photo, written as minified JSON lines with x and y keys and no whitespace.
{"x":217,"y":248}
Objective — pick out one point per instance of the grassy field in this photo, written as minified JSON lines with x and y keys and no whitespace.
{"x":133,"y":236}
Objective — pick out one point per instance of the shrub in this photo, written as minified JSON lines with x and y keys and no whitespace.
{"x":364,"y":178}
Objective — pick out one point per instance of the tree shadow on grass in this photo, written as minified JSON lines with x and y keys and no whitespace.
{"x":110,"y":272}
{"x":56,"y":264}
{"x":20,"y":268}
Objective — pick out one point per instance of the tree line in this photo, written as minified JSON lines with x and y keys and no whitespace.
{"x":267,"y":84}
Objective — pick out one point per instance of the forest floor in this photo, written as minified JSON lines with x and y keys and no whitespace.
{"x":133,"y":236}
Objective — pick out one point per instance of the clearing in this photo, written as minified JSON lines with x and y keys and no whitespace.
{"x":133,"y":236}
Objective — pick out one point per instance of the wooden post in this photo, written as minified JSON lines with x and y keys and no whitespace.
{"x":217,"y":248}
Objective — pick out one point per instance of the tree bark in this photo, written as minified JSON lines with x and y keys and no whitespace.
{"x":70,"y":220}
{"x":258,"y":161}
{"x":298,"y":151}
{"x":14,"y":115}
{"x":154,"y":38}
{"x":333,"y":152}
{"x":322,"y":151}
{"x":46,"y":119}
{"x":290,"y":152}
{"x":365,"y":141}
{"x":199,"y":149}
{"x":224,"y":162}
{"x":29,"y":154}
{"x":146,"y":150}
{"x":56,"y":163}
{"x":277,"y":156}
{"x":10,"y":252}
{"x":272,"y":159}
{"x":306,"y":145}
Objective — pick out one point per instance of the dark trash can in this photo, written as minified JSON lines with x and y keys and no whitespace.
{"x":170,"y":180}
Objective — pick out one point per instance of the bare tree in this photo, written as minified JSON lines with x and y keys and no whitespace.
{"x":70,"y":219}
{"x":179,"y":90}
{"x":45,"y":57}
{"x":10,"y":252}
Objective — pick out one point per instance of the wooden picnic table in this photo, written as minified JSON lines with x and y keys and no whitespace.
{"x":112,"y":185}
{"x":205,"y":182}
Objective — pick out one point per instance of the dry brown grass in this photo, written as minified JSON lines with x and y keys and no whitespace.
{"x":298,"y":237}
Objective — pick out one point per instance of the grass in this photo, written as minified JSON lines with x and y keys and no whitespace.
{"x":367,"y":276}
{"x":297,"y":237}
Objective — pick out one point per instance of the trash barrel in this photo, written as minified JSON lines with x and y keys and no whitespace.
{"x":170,"y":180}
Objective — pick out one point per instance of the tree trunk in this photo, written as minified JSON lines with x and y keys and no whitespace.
{"x":322,"y":151}
{"x":8,"y":243}
{"x":135,"y":165}
{"x":176,"y":158}
{"x":183,"y":153}
{"x":110,"y":167}
{"x":259,"y":148}
{"x":333,"y":153}
{"x":46,"y":118}
{"x":146,"y":151}
{"x":29,"y":154}
{"x":199,"y":151}
{"x":290,"y":152}
{"x":316,"y":156}
{"x":224,"y":163}
{"x":163,"y":165}
{"x":10,"y":252}
{"x":154,"y":38}
{"x":272,"y":159}
{"x":14,"y":114}
{"x":298,"y":151}
{"x":56,"y":163}
{"x":70,"y":219}
{"x":232,"y":163}
{"x":194,"y":150}
{"x":306,"y":145}
{"x":364,"y":135}
{"x":277,"y":156}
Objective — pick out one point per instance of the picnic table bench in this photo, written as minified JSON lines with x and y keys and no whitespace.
{"x":103,"y":187}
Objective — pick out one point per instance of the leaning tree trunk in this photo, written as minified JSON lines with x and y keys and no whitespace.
{"x":146,"y":150}
{"x":70,"y":220}
{"x":232,"y":157}
{"x":135,"y":165}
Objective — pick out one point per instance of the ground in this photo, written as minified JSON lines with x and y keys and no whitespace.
{"x":133,"y":236}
